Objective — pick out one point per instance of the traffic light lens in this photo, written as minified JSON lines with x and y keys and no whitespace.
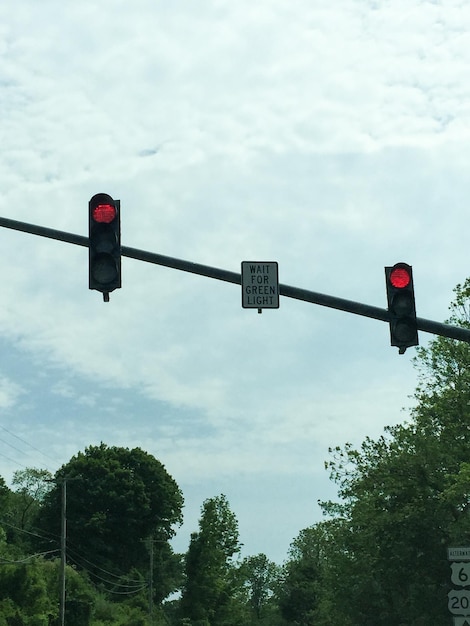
{"x":104,"y":269}
{"x":404,"y":330}
{"x":400,"y":277}
{"x":402,"y":304}
{"x":104,"y":213}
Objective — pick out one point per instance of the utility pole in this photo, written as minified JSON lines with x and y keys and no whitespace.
{"x":63,"y":550}
{"x":151,"y":584}
{"x":63,"y":545}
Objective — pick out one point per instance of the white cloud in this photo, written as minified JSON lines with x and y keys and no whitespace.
{"x":332,"y":138}
{"x":10,"y":392}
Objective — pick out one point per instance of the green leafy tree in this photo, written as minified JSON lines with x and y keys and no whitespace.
{"x":403,"y":499}
{"x":117,"y":498}
{"x":30,"y":486}
{"x":29,"y":594}
{"x":5,"y":495}
{"x":261,"y":577}
{"x":212,"y":581}
{"x":299,"y":591}
{"x":4,"y":492}
{"x":108,"y":613}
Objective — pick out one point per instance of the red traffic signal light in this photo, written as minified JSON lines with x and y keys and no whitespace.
{"x":400,"y":276}
{"x":104,"y":222}
{"x":401,"y":306}
{"x":104,"y":213}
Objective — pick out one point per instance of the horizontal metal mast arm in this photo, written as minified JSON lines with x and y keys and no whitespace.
{"x":350,"y":306}
{"x":179,"y":264}
{"x":42,"y":231}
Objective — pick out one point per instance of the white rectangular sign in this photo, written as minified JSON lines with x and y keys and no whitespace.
{"x":458,"y":554}
{"x":260,"y":285}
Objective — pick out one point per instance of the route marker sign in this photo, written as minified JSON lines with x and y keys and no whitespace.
{"x":460,"y":574}
{"x":459,"y":599}
{"x":260,"y":285}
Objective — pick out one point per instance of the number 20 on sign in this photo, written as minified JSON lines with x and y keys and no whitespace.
{"x":459,"y":602}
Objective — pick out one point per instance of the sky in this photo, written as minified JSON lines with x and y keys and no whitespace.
{"x":330,"y":137}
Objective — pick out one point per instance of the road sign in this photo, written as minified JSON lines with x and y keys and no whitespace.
{"x":458,"y":554}
{"x":461,"y":621}
{"x":459,"y":602}
{"x":260,"y":285}
{"x":460,"y":574}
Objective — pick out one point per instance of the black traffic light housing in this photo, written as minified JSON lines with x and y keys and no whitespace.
{"x":401,"y":306}
{"x":104,"y":232}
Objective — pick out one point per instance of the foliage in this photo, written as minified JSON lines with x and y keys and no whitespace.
{"x":107,"y":613}
{"x":33,"y":483}
{"x":126,"y":499}
{"x":379,"y":558}
{"x":24,"y":502}
{"x":29,"y":594}
{"x":211,"y":576}
{"x":116,"y":499}
{"x":260,"y":576}
{"x":4,"y":493}
{"x":404,"y":498}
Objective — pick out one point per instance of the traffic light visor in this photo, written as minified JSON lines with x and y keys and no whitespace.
{"x":400,"y":277}
{"x":104,"y":213}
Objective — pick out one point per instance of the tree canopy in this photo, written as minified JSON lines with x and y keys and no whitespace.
{"x":378,"y":558}
{"x":210,"y":577}
{"x":116,"y":499}
{"x":403,"y":499}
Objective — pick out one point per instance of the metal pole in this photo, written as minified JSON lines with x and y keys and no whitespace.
{"x":151,"y":584}
{"x":349,"y":306}
{"x":63,"y":547}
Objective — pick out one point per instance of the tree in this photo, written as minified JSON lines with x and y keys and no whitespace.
{"x":212,"y":580}
{"x":302,"y":579}
{"x":29,"y":594}
{"x":261,"y":578}
{"x":405,"y":498}
{"x":116,"y":499}
{"x":4,"y":492}
{"x":391,"y":536}
{"x":5,"y":495}
{"x":30,"y":488}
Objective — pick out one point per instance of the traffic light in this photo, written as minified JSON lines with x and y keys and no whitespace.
{"x":104,"y":221}
{"x":401,"y":306}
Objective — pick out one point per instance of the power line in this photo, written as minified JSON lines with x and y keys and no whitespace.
{"x":79,"y":559}
{"x":12,"y":446}
{"x":27,"y":558}
{"x":131,"y":587}
{"x":12,"y":460}
{"x":26,"y":532}
{"x":28,"y":444}
{"x":78,"y":556}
